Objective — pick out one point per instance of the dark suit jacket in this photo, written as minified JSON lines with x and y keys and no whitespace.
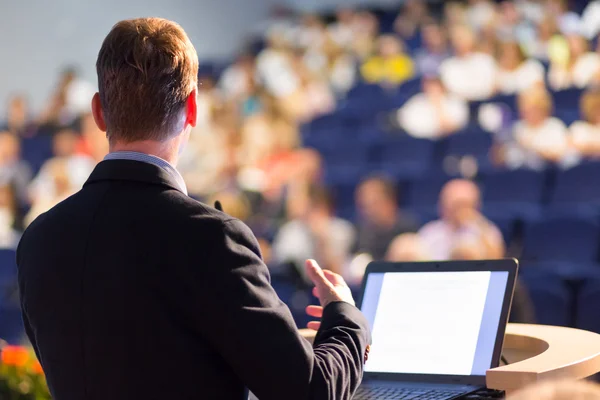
{"x":133,"y":290}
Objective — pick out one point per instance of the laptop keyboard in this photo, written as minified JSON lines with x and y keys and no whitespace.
{"x":378,"y":393}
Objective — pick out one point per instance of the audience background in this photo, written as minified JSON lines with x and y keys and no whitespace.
{"x":333,"y":136}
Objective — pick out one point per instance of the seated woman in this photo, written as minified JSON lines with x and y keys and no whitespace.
{"x":270,"y":153}
{"x":538,"y":137}
{"x":515,"y":72}
{"x":585,"y":135}
{"x":391,"y":66}
{"x":434,"y":113}
{"x":571,"y":63}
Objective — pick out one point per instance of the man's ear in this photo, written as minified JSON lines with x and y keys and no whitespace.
{"x":98,"y":113}
{"x":191,"y":109}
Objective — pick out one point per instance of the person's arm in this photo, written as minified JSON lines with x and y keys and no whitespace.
{"x":240,"y":314}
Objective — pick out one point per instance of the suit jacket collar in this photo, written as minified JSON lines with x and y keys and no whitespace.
{"x":130,"y":170}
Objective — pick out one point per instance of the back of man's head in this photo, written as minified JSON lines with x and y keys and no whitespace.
{"x":147,"y":68}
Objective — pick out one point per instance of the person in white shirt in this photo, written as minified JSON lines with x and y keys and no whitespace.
{"x":572,"y":64}
{"x":540,"y":136}
{"x":433,"y":113}
{"x":236,"y":82}
{"x":314,"y":232}
{"x":590,"y":20}
{"x":275,"y":67}
{"x":515,"y":72}
{"x":461,"y":226}
{"x":72,"y":169}
{"x":469,"y":74}
{"x":585,"y":135}
{"x":342,"y":31}
{"x":9,"y":237}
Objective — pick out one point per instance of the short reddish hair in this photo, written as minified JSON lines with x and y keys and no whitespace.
{"x":147,"y":68}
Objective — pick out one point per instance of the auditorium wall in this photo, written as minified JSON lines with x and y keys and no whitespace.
{"x":40,"y":36}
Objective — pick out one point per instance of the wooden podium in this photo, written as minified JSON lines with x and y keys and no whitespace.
{"x":539,"y":352}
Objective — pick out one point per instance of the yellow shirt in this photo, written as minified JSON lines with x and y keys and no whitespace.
{"x":394,"y":70}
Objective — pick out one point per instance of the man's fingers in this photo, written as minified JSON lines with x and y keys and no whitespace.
{"x":314,"y":325}
{"x":315,"y":292}
{"x":315,"y":311}
{"x":334,"y":278}
{"x":315,"y":273}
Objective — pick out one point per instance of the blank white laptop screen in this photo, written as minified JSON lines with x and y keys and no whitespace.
{"x":433,"y":322}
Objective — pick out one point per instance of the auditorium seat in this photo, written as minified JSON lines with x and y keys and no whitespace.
{"x":577,"y":187}
{"x":588,"y":304}
{"x":36,"y":151}
{"x":8,"y":266}
{"x":550,"y":296}
{"x":472,"y":141}
{"x":421,"y":195}
{"x":518,"y":193}
{"x":405,"y":157}
{"x":11,"y":325}
{"x":559,"y":238}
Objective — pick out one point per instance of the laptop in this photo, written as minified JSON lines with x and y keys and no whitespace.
{"x":437,"y":327}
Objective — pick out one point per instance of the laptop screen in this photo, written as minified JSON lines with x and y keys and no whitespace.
{"x":433,"y":322}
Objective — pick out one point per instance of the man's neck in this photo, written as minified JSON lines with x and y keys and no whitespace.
{"x":167,"y":150}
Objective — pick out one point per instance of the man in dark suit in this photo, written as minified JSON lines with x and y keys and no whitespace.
{"x":133,"y":290}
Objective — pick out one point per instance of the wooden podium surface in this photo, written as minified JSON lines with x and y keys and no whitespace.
{"x":540,"y":352}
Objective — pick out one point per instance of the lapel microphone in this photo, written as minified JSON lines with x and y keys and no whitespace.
{"x":218,"y":206}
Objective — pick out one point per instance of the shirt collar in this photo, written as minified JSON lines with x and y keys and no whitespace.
{"x":150,"y":159}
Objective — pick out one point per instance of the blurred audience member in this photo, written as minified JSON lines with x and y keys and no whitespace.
{"x":434,"y":52}
{"x":433,"y":113}
{"x":538,"y":46}
{"x":512,"y":25}
{"x":481,"y":14}
{"x":585,"y":135}
{"x":13,"y":170}
{"x":572,"y":64}
{"x":57,"y":186}
{"x":236,"y":82}
{"x":590,"y":20}
{"x":9,"y":236}
{"x":515,"y":72}
{"x":233,"y":203}
{"x":62,"y":175}
{"x":17,"y":117}
{"x":462,"y":232}
{"x":406,"y":247}
{"x":72,"y":97}
{"x":380,"y":218}
{"x":93,"y":141}
{"x":275,"y":69}
{"x":270,"y":154}
{"x":366,"y":31}
{"x":413,"y":15}
{"x":314,"y":232}
{"x":342,"y":31}
{"x":342,"y":71}
{"x":469,"y":74}
{"x":567,"y":20}
{"x":391,"y":66}
{"x":558,"y":390}
{"x":539,"y":136}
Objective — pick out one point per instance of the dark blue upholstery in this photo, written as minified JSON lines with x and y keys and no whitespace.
{"x":421,"y":195}
{"x":518,"y":193}
{"x":470,"y":142}
{"x":36,"y":151}
{"x":565,"y":238}
{"x":8,"y":266}
{"x":578,"y":186}
{"x":588,"y":304}
{"x":550,"y":296}
{"x":406,"y":157}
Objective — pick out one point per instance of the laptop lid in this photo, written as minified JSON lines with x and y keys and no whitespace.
{"x":439,"y":322}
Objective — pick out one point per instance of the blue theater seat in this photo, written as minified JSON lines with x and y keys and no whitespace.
{"x":421,"y":195}
{"x":469,"y":142}
{"x":567,"y":99}
{"x":405,"y":157}
{"x":588,"y":304}
{"x":551,"y":297}
{"x":36,"y":150}
{"x":11,"y":325}
{"x":562,"y":238}
{"x":577,"y":187}
{"x":517,"y":193}
{"x":8,"y":266}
